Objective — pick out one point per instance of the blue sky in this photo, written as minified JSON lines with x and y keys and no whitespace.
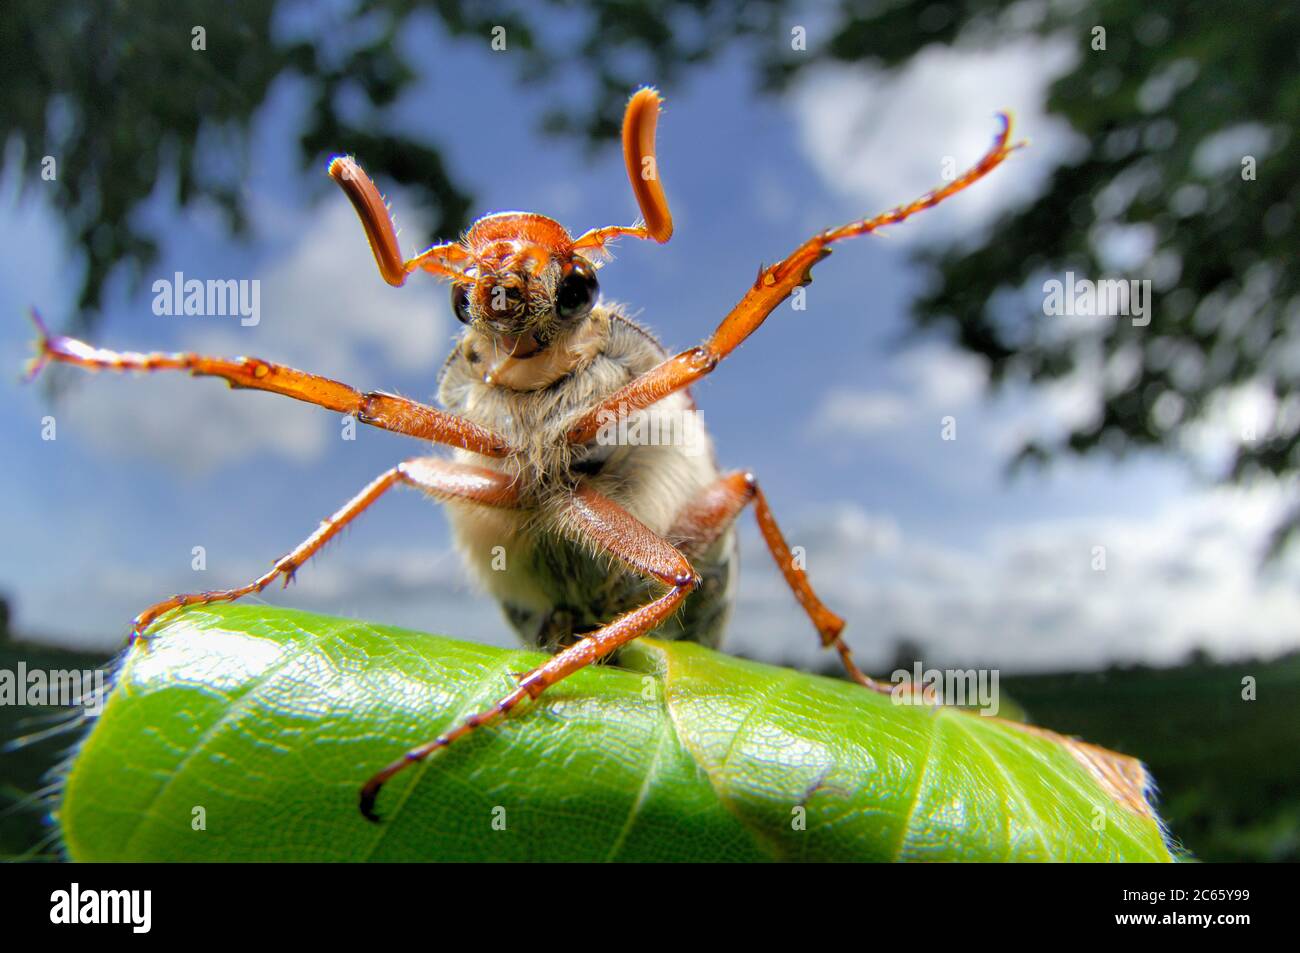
{"x":834,"y":407}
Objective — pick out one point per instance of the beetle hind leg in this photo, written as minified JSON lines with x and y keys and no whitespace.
{"x":602,"y":522}
{"x":714,"y":511}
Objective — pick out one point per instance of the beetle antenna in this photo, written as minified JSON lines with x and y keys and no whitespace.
{"x":446,"y":260}
{"x":639,"y":124}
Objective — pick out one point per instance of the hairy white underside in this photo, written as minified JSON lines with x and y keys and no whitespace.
{"x":652,"y":481}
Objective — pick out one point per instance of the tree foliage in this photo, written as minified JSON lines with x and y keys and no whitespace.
{"x":1188,"y":110}
{"x":115,"y":91}
{"x":119,"y":95}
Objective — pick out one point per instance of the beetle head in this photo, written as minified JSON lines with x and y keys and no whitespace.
{"x":519,"y":277}
{"x":524,"y":283}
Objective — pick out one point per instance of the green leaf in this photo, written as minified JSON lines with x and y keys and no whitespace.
{"x":263,"y":723}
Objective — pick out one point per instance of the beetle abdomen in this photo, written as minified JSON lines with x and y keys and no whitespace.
{"x":552,"y":586}
{"x":586,"y":592}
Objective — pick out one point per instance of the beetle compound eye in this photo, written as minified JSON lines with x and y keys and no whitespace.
{"x":460,"y":303}
{"x":577,"y":290}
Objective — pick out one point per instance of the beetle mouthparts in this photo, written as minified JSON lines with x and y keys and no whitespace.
{"x":520,"y":347}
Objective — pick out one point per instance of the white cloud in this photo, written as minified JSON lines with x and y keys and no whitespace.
{"x":1020,"y":597}
{"x":880,"y":138}
{"x":928,"y":381}
{"x":424,"y":588}
{"x":860,"y":412}
{"x":324,"y":303}
{"x":324,"y":309}
{"x":190,"y":426}
{"x":1027,"y":597}
{"x":1235,"y":416}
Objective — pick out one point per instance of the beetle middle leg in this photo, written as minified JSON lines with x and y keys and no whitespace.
{"x":706,"y":517}
{"x":439,"y":478}
{"x":599,"y":520}
{"x":773,"y":285}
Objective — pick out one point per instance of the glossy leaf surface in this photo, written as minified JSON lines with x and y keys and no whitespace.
{"x":262,"y":723}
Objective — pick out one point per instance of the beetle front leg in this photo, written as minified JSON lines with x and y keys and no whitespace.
{"x":385,"y":411}
{"x":597,"y":519}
